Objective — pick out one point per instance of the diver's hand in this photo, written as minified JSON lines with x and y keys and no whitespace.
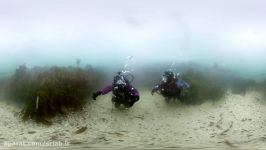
{"x":95,"y":95}
{"x":152,"y":91}
{"x":155,"y":89}
{"x":132,"y":100}
{"x":136,"y":98}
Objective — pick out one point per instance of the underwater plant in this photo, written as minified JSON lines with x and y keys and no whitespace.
{"x":241,"y":86}
{"x":261,"y":87}
{"x":203,"y":86}
{"x":47,"y":92}
{"x":3,"y":82}
{"x":20,"y":85}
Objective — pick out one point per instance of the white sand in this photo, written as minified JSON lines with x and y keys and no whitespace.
{"x":237,"y":121}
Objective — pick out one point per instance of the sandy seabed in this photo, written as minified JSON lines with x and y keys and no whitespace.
{"x":234,"y":122}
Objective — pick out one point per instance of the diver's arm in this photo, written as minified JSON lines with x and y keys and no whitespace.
{"x":103,"y":91}
{"x":155,"y":89}
{"x":134,"y":95}
{"x":182,"y":84}
{"x":106,"y":89}
{"x":134,"y":92}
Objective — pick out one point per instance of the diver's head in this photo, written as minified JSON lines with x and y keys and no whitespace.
{"x":169,"y":74}
{"x":119,"y":88}
{"x":119,"y":73}
{"x":177,"y":75}
{"x":120,"y":81}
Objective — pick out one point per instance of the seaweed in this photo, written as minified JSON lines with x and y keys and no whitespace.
{"x":3,"y":84}
{"x":241,"y":86}
{"x":203,"y":86}
{"x":261,"y":87}
{"x":212,"y":83}
{"x":49,"y":91}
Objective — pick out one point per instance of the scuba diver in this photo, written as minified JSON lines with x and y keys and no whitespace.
{"x":123,"y":92}
{"x":170,"y":86}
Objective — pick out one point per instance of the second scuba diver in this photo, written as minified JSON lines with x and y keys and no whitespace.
{"x":170,"y":86}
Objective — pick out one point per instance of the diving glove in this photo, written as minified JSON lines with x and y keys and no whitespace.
{"x":96,"y":94}
{"x":152,"y":91}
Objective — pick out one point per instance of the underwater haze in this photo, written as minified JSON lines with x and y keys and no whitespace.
{"x":132,"y":74}
{"x":56,"y":32}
